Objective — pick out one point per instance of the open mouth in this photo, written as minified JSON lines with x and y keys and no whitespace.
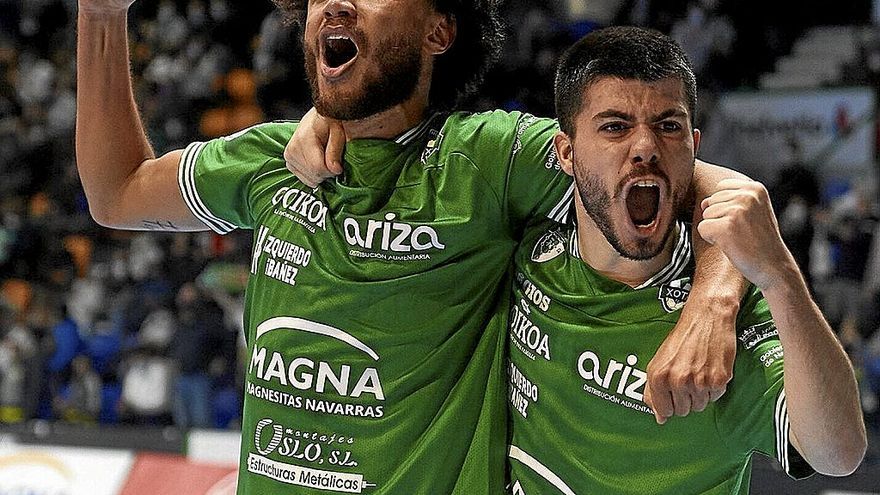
{"x":643,"y":202}
{"x":339,"y":51}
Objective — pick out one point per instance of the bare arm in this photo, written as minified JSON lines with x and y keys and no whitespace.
{"x":694,"y":364}
{"x":126,"y":185}
{"x":827,"y":426}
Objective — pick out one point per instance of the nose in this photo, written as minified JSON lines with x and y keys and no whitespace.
{"x":339,"y":9}
{"x":644,"y":149}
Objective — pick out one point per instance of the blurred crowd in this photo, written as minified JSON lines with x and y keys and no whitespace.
{"x":145,"y":328}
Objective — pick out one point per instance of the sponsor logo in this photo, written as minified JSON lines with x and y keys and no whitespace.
{"x":756,"y":334}
{"x":301,"y":207}
{"x":523,"y":125}
{"x":619,"y":383}
{"x":329,"y":450}
{"x":552,"y":162}
{"x":527,"y":337}
{"x":284,"y":259}
{"x":771,"y":356}
{"x":433,"y":145}
{"x":523,"y":392}
{"x":292,"y":474}
{"x":279,"y":378}
{"x":549,"y":246}
{"x":534,"y":294}
{"x":390,"y":239}
{"x":674,"y":295}
{"x":303,"y":373}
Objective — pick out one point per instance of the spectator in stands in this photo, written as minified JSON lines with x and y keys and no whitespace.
{"x":850,"y":230}
{"x":147,"y":376}
{"x":194,"y":345}
{"x":704,"y":35}
{"x":80,"y":399}
{"x":795,"y":196}
{"x":12,"y":381}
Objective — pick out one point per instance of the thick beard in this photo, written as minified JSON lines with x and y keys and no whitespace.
{"x":398,"y":68}
{"x":597,"y":202}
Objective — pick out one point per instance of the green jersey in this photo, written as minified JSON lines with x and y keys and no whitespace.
{"x":579,"y":347}
{"x":375,"y":339}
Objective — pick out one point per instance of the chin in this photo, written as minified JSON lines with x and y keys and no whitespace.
{"x":642,"y":243}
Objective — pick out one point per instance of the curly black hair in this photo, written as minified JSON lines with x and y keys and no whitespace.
{"x":459,"y":71}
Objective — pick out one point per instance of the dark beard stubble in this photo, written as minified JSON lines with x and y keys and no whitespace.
{"x":597,"y":202}
{"x":392,"y":82}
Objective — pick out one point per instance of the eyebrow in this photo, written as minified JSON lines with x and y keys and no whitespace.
{"x":672,"y":112}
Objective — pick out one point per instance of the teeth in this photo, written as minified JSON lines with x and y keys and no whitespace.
{"x":646,"y":183}
{"x":338,"y":37}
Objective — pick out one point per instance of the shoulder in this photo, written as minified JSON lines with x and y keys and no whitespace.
{"x":268,"y":136}
{"x":496,"y":125}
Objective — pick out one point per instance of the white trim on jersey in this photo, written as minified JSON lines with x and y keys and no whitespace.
{"x":408,"y":136}
{"x":518,"y":454}
{"x":559,"y":213}
{"x":781,"y":424}
{"x":186,"y":182}
{"x":681,"y":256}
{"x":573,"y":247}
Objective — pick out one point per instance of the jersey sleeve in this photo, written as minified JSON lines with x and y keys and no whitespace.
{"x":753,"y":415}
{"x":536,"y":187}
{"x":215,"y":177}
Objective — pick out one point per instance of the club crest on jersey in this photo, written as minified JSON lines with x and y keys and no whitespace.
{"x":549,"y":246}
{"x":673,"y":295}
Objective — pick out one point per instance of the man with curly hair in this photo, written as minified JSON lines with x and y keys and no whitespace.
{"x":377,"y":303}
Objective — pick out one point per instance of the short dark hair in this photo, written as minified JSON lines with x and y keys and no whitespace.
{"x":623,"y":52}
{"x":460,"y":70}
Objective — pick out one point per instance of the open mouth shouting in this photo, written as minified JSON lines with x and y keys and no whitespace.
{"x":643,"y":197}
{"x":338,"y":52}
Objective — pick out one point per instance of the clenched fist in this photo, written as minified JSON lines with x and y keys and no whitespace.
{"x":739,"y":219}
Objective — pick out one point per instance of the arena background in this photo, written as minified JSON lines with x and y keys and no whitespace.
{"x":93,"y":321}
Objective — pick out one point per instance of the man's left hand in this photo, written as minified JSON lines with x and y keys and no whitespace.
{"x":739,"y":219}
{"x":694,"y":364}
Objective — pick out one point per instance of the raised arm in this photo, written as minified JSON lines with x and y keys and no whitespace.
{"x":694,"y":364}
{"x":827,"y":426}
{"x":126,"y":185}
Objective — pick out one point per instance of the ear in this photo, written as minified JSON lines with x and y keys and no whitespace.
{"x":697,"y":136}
{"x":564,"y":152}
{"x":442,"y":35}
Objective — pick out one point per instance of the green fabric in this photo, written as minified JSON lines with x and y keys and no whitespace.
{"x":377,"y":303}
{"x":590,"y":428}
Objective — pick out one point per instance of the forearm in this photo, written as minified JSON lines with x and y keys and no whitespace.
{"x":719,"y":281}
{"x":110,"y":139}
{"x":820,"y":387}
{"x":707,"y":176}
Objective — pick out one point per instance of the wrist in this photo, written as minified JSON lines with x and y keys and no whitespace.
{"x":101,"y":14}
{"x":784,"y":280}
{"x":723,"y":304}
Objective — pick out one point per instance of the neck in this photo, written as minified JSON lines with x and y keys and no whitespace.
{"x":398,"y":119}
{"x":597,"y":252}
{"x":387,"y":124}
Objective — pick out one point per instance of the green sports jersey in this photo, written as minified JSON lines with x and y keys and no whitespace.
{"x":375,"y":338}
{"x":579,"y":347}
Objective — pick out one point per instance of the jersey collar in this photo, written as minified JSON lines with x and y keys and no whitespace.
{"x":681,"y":256}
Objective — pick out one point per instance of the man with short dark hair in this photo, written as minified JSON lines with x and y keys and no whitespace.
{"x":377,"y":303}
{"x":607,"y":291}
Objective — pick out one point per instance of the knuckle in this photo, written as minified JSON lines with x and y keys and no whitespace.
{"x":681,"y":379}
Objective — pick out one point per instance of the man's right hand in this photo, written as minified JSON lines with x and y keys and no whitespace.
{"x":314,"y":152}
